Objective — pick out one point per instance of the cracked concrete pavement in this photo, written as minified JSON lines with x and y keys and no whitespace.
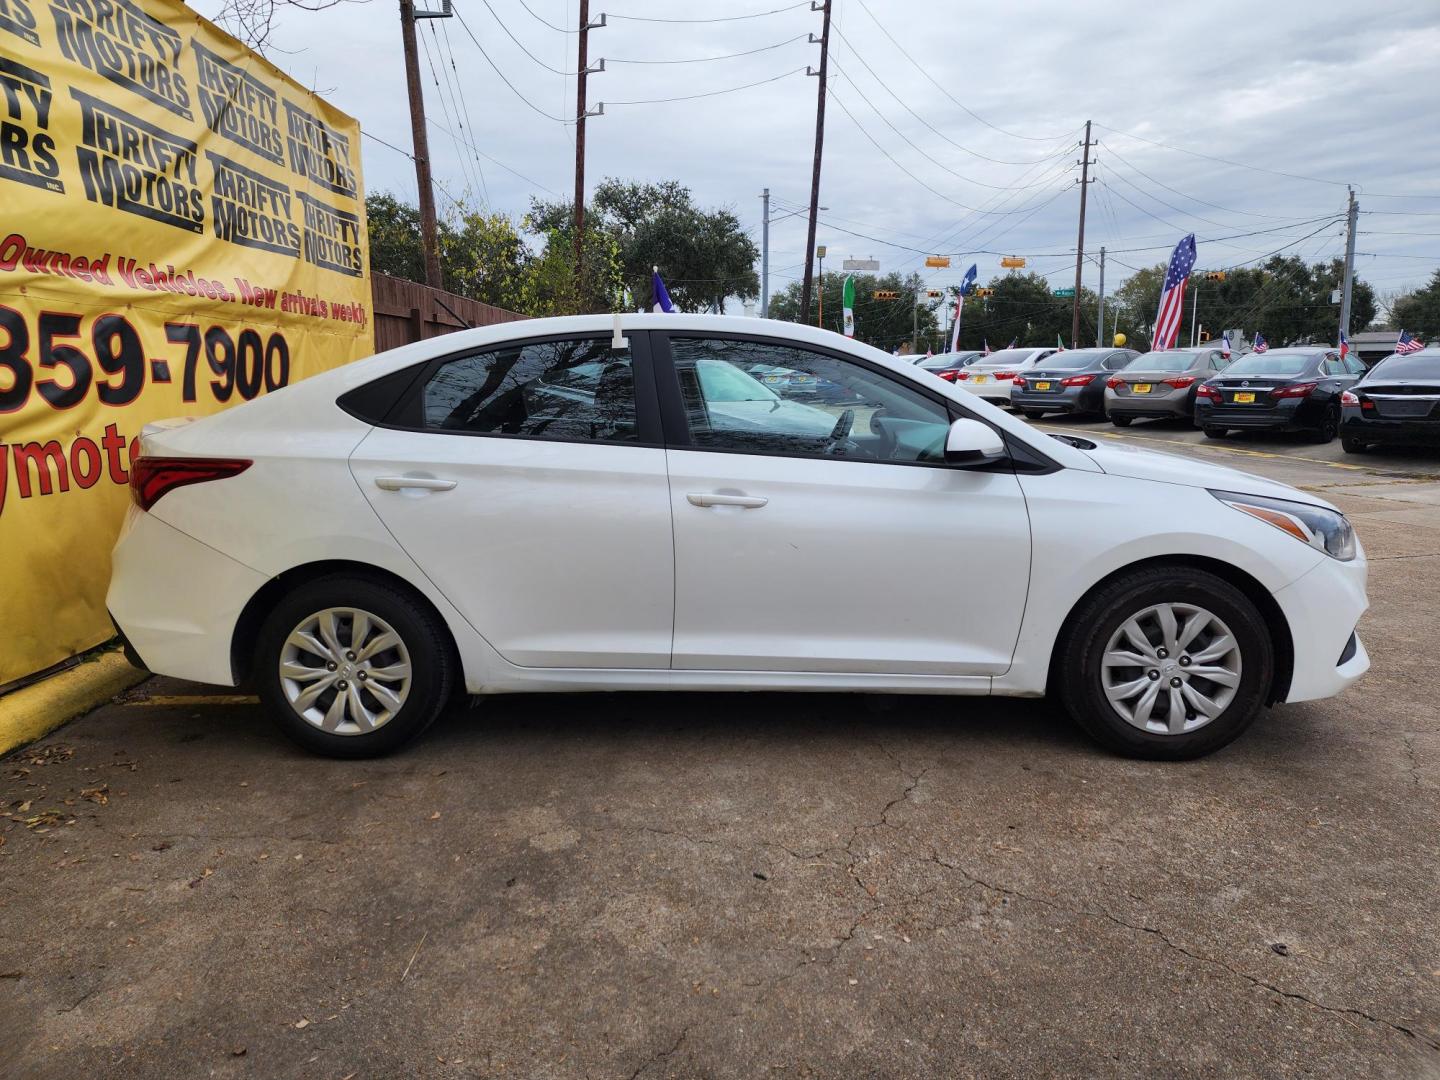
{"x":736,"y":886}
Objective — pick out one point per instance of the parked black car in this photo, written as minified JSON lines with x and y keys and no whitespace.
{"x":1071,"y":381}
{"x":1295,"y":389}
{"x":947,"y":365}
{"x":1398,"y":401}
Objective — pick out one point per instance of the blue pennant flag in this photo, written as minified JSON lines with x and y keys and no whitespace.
{"x":662,"y":295}
{"x":967,"y":284}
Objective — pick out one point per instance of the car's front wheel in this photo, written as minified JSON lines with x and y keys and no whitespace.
{"x":1329,"y":425}
{"x":1167,"y":663}
{"x":1213,"y":432}
{"x":1121,"y":420}
{"x":353,"y":667}
{"x":1034,"y":414}
{"x":1352,"y":445}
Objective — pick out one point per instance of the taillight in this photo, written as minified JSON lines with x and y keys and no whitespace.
{"x":1114,"y":382}
{"x":1180,"y":382}
{"x":948,"y":376}
{"x":1004,"y":376}
{"x":1019,"y":383}
{"x":152,"y":477}
{"x":961,"y":376}
{"x":1298,"y":390}
{"x":1347,"y":398}
{"x":1208,"y":392}
{"x":1078,"y":380}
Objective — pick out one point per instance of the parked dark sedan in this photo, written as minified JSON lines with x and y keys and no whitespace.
{"x":1295,"y":389}
{"x":1072,"y":381}
{"x":1398,"y":401}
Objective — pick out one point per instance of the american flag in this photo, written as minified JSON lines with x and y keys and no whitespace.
{"x":1261,"y":345}
{"x":1172,"y":295}
{"x":1405,"y":344}
{"x":1344,"y":345}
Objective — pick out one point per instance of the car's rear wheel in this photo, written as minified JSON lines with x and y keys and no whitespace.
{"x":1121,"y":420}
{"x":1165,"y":663}
{"x":352,"y":667}
{"x":1352,"y":445}
{"x":1034,"y":414}
{"x":1213,"y":432}
{"x":1329,"y":425}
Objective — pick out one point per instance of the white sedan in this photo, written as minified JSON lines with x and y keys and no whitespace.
{"x":993,"y":377}
{"x":615,"y":503}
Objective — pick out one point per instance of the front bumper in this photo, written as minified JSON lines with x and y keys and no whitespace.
{"x":176,"y":601}
{"x":1322,"y":608}
{"x":1400,"y":432}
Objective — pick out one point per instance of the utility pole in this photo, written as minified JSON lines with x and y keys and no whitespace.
{"x":1195,"y":318}
{"x":1080,"y":243}
{"x":1100,"y":317}
{"x":1351,"y":218}
{"x":765,"y":255}
{"x":820,"y":254}
{"x":582,"y":70}
{"x":421,"y":144}
{"x":822,"y":74}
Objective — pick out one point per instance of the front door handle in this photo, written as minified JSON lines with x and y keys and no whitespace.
{"x":423,"y":483}
{"x":748,"y":502}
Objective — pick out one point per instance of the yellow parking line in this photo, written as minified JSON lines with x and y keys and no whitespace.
{"x":1126,"y":437}
{"x":197,"y":699}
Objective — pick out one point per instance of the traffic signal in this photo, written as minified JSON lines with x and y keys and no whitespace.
{"x":984,"y":292}
{"x":884,"y":294}
{"x":1215,"y":275}
{"x":1204,"y":335}
{"x":934,"y":294}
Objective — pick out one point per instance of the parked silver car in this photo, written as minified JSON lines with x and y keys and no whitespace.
{"x":1160,"y":385}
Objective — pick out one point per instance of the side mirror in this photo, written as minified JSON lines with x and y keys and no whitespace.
{"x":969,"y":442}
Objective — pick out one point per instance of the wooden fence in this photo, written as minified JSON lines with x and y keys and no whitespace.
{"x":405,"y":311}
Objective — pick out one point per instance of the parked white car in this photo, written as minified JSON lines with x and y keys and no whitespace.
{"x":552,"y":506}
{"x":993,"y":377}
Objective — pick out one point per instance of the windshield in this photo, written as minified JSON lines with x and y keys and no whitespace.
{"x":1270,"y":364}
{"x":1165,"y":361}
{"x":1007,"y":357}
{"x":1416,"y":366}
{"x":723,"y":381}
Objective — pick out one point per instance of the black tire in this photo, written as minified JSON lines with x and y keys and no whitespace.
{"x":1329,"y":425}
{"x":1121,"y":420}
{"x":1088,"y":631}
{"x":1352,"y":445}
{"x":434,"y":669}
{"x":1213,"y":432}
{"x":1034,"y":414}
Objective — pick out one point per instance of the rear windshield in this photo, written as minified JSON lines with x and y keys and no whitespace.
{"x":1007,"y":356}
{"x":1073,"y":358}
{"x":1270,"y":364}
{"x":948,"y":360}
{"x":1414,"y":366}
{"x":1165,"y":361}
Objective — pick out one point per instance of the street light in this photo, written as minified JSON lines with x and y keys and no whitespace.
{"x":766,"y":219}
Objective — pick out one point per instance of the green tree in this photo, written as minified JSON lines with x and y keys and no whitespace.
{"x":1024,"y":309}
{"x":886,"y":324}
{"x":1419,"y":311}
{"x":704,"y":256}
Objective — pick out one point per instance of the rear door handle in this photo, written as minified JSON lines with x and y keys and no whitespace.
{"x":749,"y":502}
{"x":423,"y":483}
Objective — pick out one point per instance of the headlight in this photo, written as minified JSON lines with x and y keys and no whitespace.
{"x":1324,"y":530}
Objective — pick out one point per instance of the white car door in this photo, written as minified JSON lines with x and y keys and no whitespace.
{"x":827,"y":534}
{"x":529,"y":485}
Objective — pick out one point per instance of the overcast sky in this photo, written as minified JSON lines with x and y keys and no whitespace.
{"x":1319,"y":89}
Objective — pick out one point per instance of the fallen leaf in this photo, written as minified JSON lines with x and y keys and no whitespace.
{"x":302,"y":1023}
{"x":435,"y":816}
{"x":238,"y":1052}
{"x":99,"y":794}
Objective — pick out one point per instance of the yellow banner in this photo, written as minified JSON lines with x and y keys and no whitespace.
{"x":182,"y":228}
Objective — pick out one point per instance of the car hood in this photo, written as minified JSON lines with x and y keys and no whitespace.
{"x":1173,"y":469}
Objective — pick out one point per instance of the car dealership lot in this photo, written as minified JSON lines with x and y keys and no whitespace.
{"x":724,"y":885}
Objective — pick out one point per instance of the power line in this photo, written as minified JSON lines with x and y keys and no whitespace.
{"x":465,"y":104}
{"x":536,"y":108}
{"x":445,"y":105}
{"x":708,"y":93}
{"x":547,"y":22}
{"x":1223,"y":161}
{"x":1229,"y":210}
{"x":921,"y":150}
{"x":964,"y":108}
{"x":934,"y":130}
{"x":708,"y":59}
{"x":496,"y":161}
{"x":517,"y":41}
{"x":721,"y":19}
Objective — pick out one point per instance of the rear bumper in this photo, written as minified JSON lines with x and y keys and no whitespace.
{"x":1286,"y":415}
{"x":989,"y":390}
{"x":1322,"y":609}
{"x":1071,"y":400}
{"x":1143,"y":405}
{"x":175,"y":601}
{"x":1406,"y":432}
